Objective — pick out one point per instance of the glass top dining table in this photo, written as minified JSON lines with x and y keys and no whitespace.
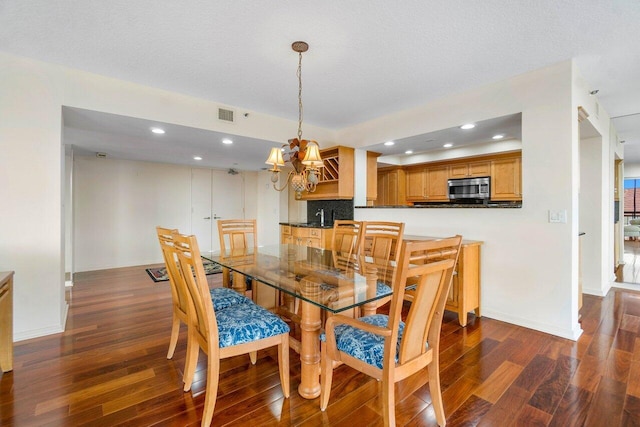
{"x":320,"y":279}
{"x":331,"y":280}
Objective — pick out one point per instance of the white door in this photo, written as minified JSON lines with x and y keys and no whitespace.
{"x":214,"y":195}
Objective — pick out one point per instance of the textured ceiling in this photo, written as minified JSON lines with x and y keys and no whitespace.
{"x":367,"y":58}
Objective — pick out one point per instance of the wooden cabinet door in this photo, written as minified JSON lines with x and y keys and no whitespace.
{"x":381,"y":200}
{"x":479,"y":169}
{"x":505,"y":179}
{"x":392,"y":188}
{"x":416,"y":184}
{"x":459,"y":170}
{"x":437,"y":184}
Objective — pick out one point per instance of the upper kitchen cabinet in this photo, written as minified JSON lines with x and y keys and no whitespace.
{"x":336,"y":176}
{"x":506,"y":178}
{"x":372,"y":177}
{"x":391,"y":187}
{"x":427,"y":184}
{"x":470,"y":169}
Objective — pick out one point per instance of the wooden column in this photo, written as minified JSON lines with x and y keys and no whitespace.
{"x":310,"y":343}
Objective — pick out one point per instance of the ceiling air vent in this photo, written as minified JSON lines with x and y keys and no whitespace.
{"x":225,"y":115}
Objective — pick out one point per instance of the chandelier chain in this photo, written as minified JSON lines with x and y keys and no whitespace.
{"x":299,"y":73}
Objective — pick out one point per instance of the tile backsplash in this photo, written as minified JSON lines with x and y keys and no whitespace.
{"x":333,"y":209}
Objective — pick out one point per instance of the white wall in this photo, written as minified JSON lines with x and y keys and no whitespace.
{"x":632,"y":170}
{"x":68,"y":213}
{"x":529,"y":266}
{"x":118,"y":204}
{"x":591,"y":209}
{"x":268,"y":201}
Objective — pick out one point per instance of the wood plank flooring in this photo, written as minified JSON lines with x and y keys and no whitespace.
{"x":109,"y":368}
{"x":629,"y":272}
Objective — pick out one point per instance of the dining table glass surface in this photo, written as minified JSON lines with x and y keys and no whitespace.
{"x":319,"y":276}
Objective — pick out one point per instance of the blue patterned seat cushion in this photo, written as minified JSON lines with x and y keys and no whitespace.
{"x":225,"y":297}
{"x":244,"y":323}
{"x":383,"y":289}
{"x":363,"y":345}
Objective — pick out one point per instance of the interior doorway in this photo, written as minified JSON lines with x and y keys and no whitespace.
{"x":628,"y":271}
{"x":215,"y":195}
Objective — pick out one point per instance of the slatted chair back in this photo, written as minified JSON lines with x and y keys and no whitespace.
{"x":381,"y":242}
{"x":201,"y":317}
{"x":440,"y":249}
{"x":178,"y":290}
{"x":346,"y":242}
{"x":237,"y":234}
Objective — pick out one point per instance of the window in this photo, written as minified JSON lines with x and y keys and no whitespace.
{"x":632,"y":197}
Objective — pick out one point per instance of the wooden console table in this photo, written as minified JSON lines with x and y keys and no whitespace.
{"x":6,"y":321}
{"x":464,"y":295}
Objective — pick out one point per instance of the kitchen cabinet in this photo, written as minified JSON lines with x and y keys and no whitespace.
{"x":470,"y":169}
{"x":506,"y":181}
{"x":437,"y":184}
{"x":416,"y":182}
{"x":306,"y":236}
{"x":372,"y":177}
{"x":427,"y":184}
{"x":336,"y":180}
{"x":391,"y":187}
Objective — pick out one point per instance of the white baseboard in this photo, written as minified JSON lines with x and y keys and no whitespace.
{"x":526,"y":323}
{"x":37,"y":333}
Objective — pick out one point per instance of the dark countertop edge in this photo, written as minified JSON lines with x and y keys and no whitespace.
{"x":307,"y":224}
{"x":447,"y":206}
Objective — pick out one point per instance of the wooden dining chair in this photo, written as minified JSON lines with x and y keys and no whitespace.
{"x":236,"y":235}
{"x":446,"y":248}
{"x":235,"y":330}
{"x":345,"y":242}
{"x":386,"y":348}
{"x":221,"y":297}
{"x":380,"y":247}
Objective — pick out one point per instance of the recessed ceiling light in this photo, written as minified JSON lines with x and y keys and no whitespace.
{"x":227,"y":141}
{"x":448,"y":145}
{"x":388,"y":143}
{"x":408,"y":152}
{"x":157,"y":130}
{"x":467,"y":126}
{"x":197,"y":158}
{"x":499,"y":136}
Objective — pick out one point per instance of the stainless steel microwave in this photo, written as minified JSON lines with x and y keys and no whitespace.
{"x":470,"y":188}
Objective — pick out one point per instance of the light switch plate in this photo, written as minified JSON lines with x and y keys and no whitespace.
{"x":558,"y":216}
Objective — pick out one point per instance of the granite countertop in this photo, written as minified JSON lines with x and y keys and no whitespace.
{"x":308,"y":224}
{"x":490,"y":205}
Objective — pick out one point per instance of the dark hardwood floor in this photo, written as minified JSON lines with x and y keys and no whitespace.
{"x":109,"y":368}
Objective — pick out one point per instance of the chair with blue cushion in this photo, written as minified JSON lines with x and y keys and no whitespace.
{"x":231,"y":331}
{"x":386,"y":348}
{"x":379,"y":248}
{"x":221,"y":297}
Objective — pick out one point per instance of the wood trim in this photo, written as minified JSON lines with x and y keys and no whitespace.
{"x":487,"y":157}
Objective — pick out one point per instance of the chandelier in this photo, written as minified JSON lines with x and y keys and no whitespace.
{"x":304,"y":155}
